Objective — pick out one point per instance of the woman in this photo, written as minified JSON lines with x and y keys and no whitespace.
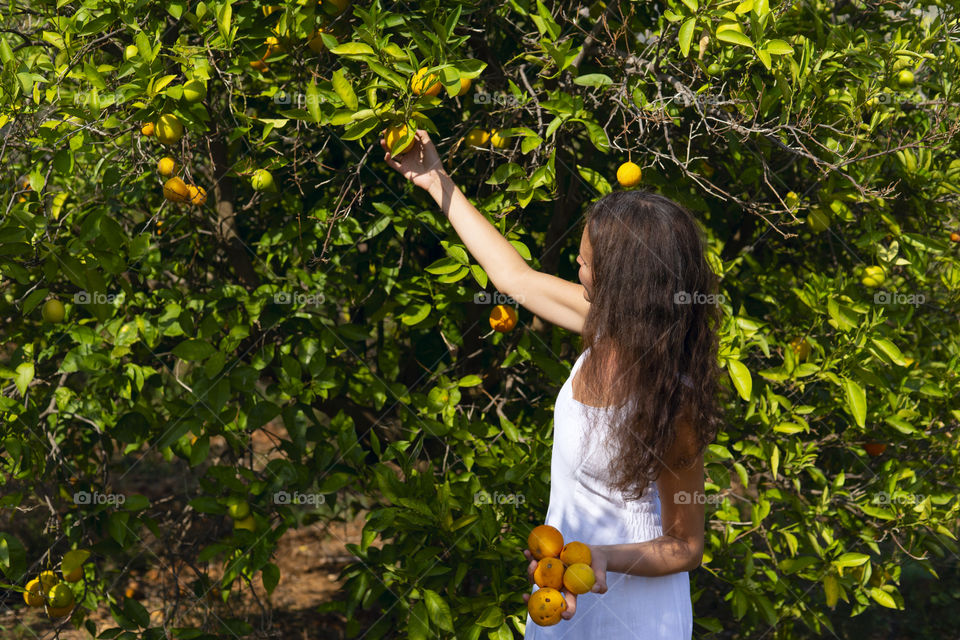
{"x":638,"y":410}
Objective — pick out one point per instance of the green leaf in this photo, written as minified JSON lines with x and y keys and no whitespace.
{"x":851,"y":560}
{"x":691,"y":4}
{"x":686,"y":36}
{"x":24,"y":377}
{"x":779,"y":48}
{"x":439,"y":610}
{"x":740,"y":375}
{"x":224,"y":16}
{"x":353,"y":49}
{"x":775,"y":461}
{"x":593,"y":80}
{"x":418,"y":626}
{"x":595,"y":179}
{"x":734,"y":37}
{"x":491,"y":617}
{"x":344,"y":89}
{"x":193,"y":350}
{"x":73,"y":559}
{"x":270,"y":576}
{"x":471,"y":380}
{"x":890,"y":350}
{"x":883,"y":598}
{"x":856,"y":400}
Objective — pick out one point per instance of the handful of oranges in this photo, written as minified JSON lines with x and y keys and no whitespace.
{"x":560,"y":567}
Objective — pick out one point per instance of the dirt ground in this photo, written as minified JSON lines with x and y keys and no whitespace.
{"x":310,"y":559}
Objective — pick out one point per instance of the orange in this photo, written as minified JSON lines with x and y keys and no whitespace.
{"x":74,"y":576}
{"x":198,"y":195}
{"x":875,"y":448}
{"x":545,"y":541}
{"x":419,"y":83}
{"x":58,"y":612}
{"x":259,"y":65}
{"x":955,"y":237}
{"x":464,"y":86}
{"x":394,"y":135}
{"x":574,"y":552}
{"x":147,"y":129}
{"x":549,"y":573}
{"x":33,"y":596}
{"x":578,"y":578}
{"x":800,"y":347}
{"x":176,"y":190}
{"x":498,"y":140}
{"x":545,"y":606}
{"x":477,"y":138}
{"x":48,"y":580}
{"x":502,"y":319}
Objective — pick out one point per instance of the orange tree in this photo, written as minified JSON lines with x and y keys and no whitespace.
{"x":279,"y":276}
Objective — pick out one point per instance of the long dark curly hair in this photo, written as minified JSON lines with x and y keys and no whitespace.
{"x":653,"y":323}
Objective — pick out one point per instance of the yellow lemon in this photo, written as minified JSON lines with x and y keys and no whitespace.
{"x":498,"y":140}
{"x":628,"y":175}
{"x":166,"y":166}
{"x":579,"y":578}
{"x":419,"y":83}
{"x":176,"y":190}
{"x":394,"y":135}
{"x":169,"y":129}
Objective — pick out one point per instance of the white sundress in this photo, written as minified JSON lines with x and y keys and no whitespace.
{"x":584,"y":507}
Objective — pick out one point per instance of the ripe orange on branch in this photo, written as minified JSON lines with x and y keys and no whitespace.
{"x":176,"y":190}
{"x":503,"y":319}
{"x":628,"y":175}
{"x":395,"y":134}
{"x":429,"y":85}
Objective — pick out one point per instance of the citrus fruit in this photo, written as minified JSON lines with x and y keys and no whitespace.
{"x":247,"y":523}
{"x":574,"y":552}
{"x":818,"y":220}
{"x":48,"y":580}
{"x":176,"y":190}
{"x":477,"y":138}
{"x":262,"y":180}
{"x":578,"y":578}
{"x":395,"y":134}
{"x":52,"y":311}
{"x":545,"y":606}
{"x":238,"y":509}
{"x":464,"y":86}
{"x":713,"y":69}
{"x":130,"y":52}
{"x":873,"y":276}
{"x":259,"y":65}
{"x":503,"y":319}
{"x":549,"y":573}
{"x":169,"y":129}
{"x":800,"y":347}
{"x":194,"y":91}
{"x":273,"y":46}
{"x":905,"y":78}
{"x":628,"y":175}
{"x":61,"y":595}
{"x":545,"y":541}
{"x":198,"y":196}
{"x":419,"y":83}
{"x":58,"y":612}
{"x":147,"y":129}
{"x":74,"y":576}
{"x":316,"y":42}
{"x":33,"y":596}
{"x":498,"y":140}
{"x":791,"y":200}
{"x":166,"y":166}
{"x":955,"y":237}
{"x":874,"y":449}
